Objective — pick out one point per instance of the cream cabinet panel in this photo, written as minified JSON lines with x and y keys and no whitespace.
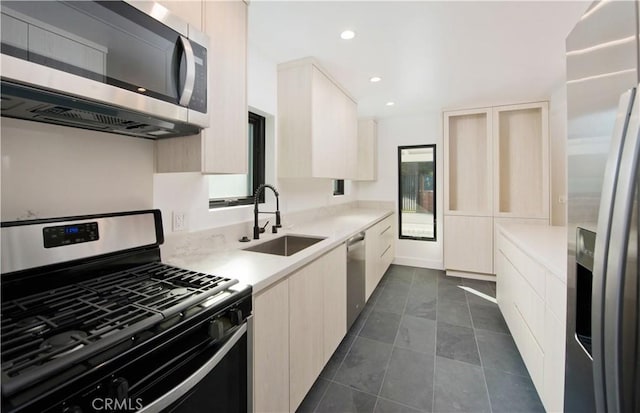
{"x":317,"y":124}
{"x":468,"y":244}
{"x":367,"y":150}
{"x":554,"y":359}
{"x":306,"y":349}
{"x":468,"y":158}
{"x":496,"y":166}
{"x":334,"y":278}
{"x":271,"y":349}
{"x":533,"y":303}
{"x":379,"y":252}
{"x":188,"y":10}
{"x":223,"y":147}
{"x":521,"y":167}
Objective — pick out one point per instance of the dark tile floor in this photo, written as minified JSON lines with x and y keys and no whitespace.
{"x":424,"y":344}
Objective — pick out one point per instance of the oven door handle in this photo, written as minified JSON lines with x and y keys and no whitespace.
{"x":191,"y":381}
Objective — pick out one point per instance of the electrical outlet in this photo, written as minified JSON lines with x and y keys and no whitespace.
{"x":179,"y":221}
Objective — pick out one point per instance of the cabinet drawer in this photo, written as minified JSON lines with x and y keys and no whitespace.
{"x":556,"y":296}
{"x":528,"y":304}
{"x":385,"y":230}
{"x":532,"y":272}
{"x":531,"y":353}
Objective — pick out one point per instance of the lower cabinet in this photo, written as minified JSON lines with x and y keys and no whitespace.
{"x":298,"y":324}
{"x":468,"y":244}
{"x":271,"y":349}
{"x":533,"y":303}
{"x":379,"y":252}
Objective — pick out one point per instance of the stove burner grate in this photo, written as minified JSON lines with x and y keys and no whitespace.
{"x":52,"y":329}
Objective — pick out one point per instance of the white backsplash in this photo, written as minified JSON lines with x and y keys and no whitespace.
{"x":225,"y":238}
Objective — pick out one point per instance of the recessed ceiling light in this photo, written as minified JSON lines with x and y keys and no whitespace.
{"x":347,"y":35}
{"x":375,"y":79}
{"x":391,"y":103}
{"x":142,"y":90}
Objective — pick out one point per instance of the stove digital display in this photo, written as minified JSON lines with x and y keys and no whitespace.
{"x":70,"y":234}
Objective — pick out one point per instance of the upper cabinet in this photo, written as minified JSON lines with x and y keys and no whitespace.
{"x":521,"y":170}
{"x":367,"y":150}
{"x":221,"y":148}
{"x":497,"y":170}
{"x":188,"y":10}
{"x":468,"y":152}
{"x":317,"y":124}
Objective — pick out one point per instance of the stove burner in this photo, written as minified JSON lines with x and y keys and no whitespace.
{"x":62,"y":340}
{"x":178,"y":291}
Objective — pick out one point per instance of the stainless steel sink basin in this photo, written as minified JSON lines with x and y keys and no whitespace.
{"x":286,"y":245}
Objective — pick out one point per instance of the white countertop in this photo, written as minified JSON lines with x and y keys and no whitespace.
{"x":545,"y":244}
{"x":261,"y":270}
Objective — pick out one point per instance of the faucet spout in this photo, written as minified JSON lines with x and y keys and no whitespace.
{"x":259,"y":190}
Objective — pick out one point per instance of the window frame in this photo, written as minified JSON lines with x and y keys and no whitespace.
{"x":258,"y":172}
{"x":435,"y":216}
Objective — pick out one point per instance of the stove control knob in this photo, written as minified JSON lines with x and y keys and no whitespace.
{"x":216,"y":329}
{"x":72,"y":409}
{"x":235,"y":316}
{"x":118,"y":388}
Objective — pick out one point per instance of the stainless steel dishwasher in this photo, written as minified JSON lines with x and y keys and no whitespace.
{"x":355,"y":277}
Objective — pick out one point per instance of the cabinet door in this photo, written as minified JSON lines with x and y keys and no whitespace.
{"x":225,"y":142}
{"x":327,"y":127}
{"x":521,"y":167}
{"x":306,"y":345}
{"x":554,"y":358}
{"x":271,"y":349}
{"x":468,"y":152}
{"x":468,"y":244}
{"x":334,"y":270}
{"x":367,"y":150}
{"x":372,"y":260}
{"x":350,"y":138}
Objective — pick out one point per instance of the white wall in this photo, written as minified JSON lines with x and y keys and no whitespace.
{"x":188,"y":192}
{"x":53,"y":171}
{"x":558,"y":148}
{"x":399,"y":131}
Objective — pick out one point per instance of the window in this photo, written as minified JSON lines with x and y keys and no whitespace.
{"x":238,"y":189}
{"x":338,"y":187}
{"x":417,"y":192}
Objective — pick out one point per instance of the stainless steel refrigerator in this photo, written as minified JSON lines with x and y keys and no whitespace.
{"x":603,"y":109}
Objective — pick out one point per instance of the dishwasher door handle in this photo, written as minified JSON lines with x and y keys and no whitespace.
{"x":355,"y":240}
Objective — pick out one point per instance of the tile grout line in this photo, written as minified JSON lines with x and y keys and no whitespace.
{"x":384,"y":376}
{"x":475,"y":339}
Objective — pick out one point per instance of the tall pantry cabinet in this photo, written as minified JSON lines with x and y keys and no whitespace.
{"x":497,"y":170}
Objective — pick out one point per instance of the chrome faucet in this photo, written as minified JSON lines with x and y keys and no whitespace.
{"x":256,"y":229}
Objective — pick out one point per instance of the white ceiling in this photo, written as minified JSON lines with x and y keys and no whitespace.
{"x":430,"y":55}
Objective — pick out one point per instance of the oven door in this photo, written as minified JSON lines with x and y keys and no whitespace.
{"x":220,"y":383}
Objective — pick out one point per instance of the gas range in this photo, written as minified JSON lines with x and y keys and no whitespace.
{"x":97,"y":332}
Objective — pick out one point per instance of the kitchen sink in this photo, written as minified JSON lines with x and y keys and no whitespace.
{"x":286,"y":245}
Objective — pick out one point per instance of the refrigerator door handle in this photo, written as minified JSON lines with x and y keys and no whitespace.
{"x":602,"y":245}
{"x":617,"y":259}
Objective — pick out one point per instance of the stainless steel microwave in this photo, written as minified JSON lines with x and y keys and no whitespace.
{"x":123,"y":67}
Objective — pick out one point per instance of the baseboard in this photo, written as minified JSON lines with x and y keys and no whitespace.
{"x":471,"y":275}
{"x":417,"y":262}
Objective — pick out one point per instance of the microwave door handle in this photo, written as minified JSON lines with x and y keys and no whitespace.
{"x":190,"y":78}
{"x":617,"y":260}
{"x":187,"y":384}
{"x":602,"y":245}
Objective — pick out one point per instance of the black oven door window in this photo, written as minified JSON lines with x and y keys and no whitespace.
{"x":224,"y":389}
